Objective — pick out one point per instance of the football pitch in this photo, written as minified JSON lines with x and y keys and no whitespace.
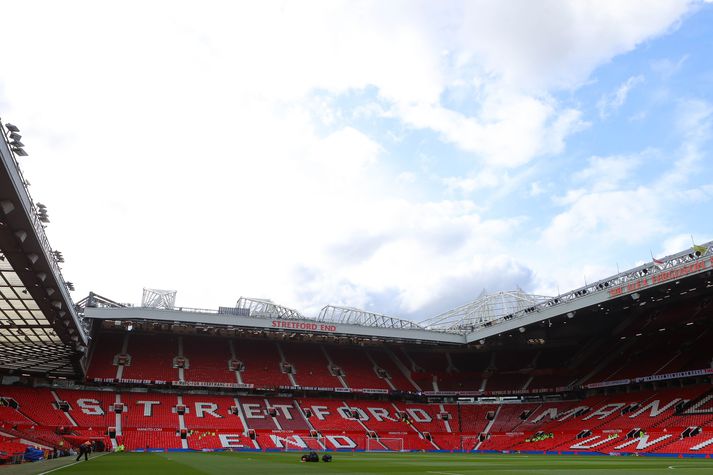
{"x":367,"y":463}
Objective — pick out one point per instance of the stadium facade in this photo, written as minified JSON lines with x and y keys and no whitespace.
{"x":621,"y":365}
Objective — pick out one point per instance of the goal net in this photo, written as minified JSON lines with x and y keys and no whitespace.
{"x":384,"y":445}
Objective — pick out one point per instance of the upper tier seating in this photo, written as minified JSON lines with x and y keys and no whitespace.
{"x":152,"y":357}
{"x":359,"y":371}
{"x":397,"y":377}
{"x":208,"y":360}
{"x":105,"y":349}
{"x":262,"y":363}
{"x":310,"y":364}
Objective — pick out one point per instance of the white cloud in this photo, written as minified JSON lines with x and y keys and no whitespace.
{"x":418,"y":255}
{"x":344,"y":154}
{"x":609,"y":173}
{"x":667,"y":67}
{"x":200,"y":147}
{"x":694,"y":121}
{"x":611,"y":206}
{"x":538,"y":125}
{"x":483,"y":179}
{"x":539,"y":45}
{"x":610,"y":103}
{"x":536,"y":189}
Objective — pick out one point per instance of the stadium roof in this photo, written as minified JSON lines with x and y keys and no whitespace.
{"x":354,"y":316}
{"x":40,"y":331}
{"x":487,"y":308}
{"x":487,"y":316}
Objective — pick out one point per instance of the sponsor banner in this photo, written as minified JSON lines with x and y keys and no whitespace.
{"x":606,"y":384}
{"x":306,"y":388}
{"x":439,"y":393}
{"x":452,"y":393}
{"x":149,"y":429}
{"x":212,"y":384}
{"x":374,"y":391}
{"x":304,"y":326}
{"x":660,"y":277}
{"x":494,"y":393}
{"x":342,"y":390}
{"x":680,"y":374}
{"x":504,"y":393}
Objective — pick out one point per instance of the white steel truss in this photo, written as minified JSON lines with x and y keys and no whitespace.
{"x":156,"y":298}
{"x":354,"y":316}
{"x":264,"y":308}
{"x":486,"y":308}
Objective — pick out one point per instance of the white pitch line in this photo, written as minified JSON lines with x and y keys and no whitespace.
{"x":446,"y":473}
{"x":69,"y":465}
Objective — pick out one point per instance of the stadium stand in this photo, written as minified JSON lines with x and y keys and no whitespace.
{"x":648,"y":420}
{"x":311,"y":365}
{"x":207,"y":360}
{"x":359,"y":371}
{"x":262,"y":363}
{"x":103,"y":360}
{"x":152,"y":357}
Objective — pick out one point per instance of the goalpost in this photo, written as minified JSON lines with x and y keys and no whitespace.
{"x":384,"y":444}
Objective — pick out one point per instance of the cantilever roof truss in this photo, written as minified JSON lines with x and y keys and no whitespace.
{"x":28,"y":341}
{"x":354,"y":316}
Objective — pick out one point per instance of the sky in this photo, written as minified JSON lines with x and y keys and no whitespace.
{"x":399,"y":157}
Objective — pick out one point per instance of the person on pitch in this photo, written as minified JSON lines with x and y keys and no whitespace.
{"x":84,"y":449}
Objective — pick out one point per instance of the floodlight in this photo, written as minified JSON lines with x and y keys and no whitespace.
{"x":12,"y":128}
{"x":17,"y":143}
{"x":15,"y":136}
{"x":20,"y":152}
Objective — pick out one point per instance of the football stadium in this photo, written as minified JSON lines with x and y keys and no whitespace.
{"x":621,"y":366}
{"x":279,"y":222}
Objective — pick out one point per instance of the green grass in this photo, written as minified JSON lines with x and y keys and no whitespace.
{"x":370,"y":463}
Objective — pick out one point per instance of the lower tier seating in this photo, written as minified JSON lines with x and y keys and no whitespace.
{"x":668,"y":420}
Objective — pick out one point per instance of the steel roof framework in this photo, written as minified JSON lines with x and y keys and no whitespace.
{"x":486,"y":308}
{"x":28,"y":341}
{"x":40,"y":332}
{"x":264,"y":308}
{"x":354,"y":316}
